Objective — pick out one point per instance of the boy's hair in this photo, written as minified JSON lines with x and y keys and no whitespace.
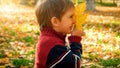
{"x":46,"y":9}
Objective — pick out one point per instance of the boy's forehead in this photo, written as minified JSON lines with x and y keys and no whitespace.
{"x":69,"y":11}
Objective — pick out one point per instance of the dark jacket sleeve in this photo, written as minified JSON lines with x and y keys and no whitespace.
{"x":64,"y":57}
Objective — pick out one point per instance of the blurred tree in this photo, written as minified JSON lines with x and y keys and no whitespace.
{"x":35,"y":2}
{"x":30,"y":2}
{"x":90,"y":5}
{"x":77,"y":1}
{"x":100,"y":1}
{"x":113,"y":1}
{"x":118,"y":3}
{"x":24,"y":2}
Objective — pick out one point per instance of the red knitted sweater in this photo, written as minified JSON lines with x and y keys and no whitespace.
{"x":52,"y":52}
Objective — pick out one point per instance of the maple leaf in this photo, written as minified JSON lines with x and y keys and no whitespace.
{"x":74,"y":1}
{"x":79,"y":15}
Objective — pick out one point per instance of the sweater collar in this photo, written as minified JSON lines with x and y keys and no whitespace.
{"x":51,"y":32}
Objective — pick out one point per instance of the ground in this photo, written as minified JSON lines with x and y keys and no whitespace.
{"x":19,"y":32}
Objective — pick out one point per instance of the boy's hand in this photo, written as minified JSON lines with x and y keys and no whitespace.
{"x":76,"y":32}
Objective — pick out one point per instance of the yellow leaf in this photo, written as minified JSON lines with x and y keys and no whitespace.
{"x":4,"y":60}
{"x":74,"y":1}
{"x":2,"y":67}
{"x":9,"y":54}
{"x":23,"y":66}
{"x":79,"y":15}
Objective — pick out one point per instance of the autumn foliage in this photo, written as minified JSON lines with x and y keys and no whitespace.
{"x":19,"y":33}
{"x":80,"y":15}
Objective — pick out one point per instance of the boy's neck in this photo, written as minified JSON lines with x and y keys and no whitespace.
{"x":52,"y":32}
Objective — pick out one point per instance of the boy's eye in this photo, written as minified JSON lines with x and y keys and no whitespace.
{"x":71,"y":16}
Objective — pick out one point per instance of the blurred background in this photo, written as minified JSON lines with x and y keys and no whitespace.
{"x":19,"y":33}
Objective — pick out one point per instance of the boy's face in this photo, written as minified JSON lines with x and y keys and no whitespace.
{"x":67,"y":21}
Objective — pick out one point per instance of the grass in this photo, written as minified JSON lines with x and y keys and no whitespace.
{"x":92,"y":57}
{"x":117,"y":53}
{"x":28,"y":39}
{"x":110,"y":62}
{"x":94,"y":66}
{"x":32,"y":52}
{"x":2,"y":55}
{"x":20,"y":62}
{"x":101,"y":38}
{"x":106,"y":4}
{"x":13,"y":33}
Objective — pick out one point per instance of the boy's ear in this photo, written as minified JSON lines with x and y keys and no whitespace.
{"x":54,"y":21}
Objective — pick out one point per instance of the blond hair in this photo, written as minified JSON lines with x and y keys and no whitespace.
{"x":46,"y":9}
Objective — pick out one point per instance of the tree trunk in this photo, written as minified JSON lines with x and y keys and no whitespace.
{"x":114,"y":1}
{"x":90,"y":5}
{"x":23,"y":2}
{"x":101,"y":1}
{"x":118,"y":3}
{"x":35,"y":2}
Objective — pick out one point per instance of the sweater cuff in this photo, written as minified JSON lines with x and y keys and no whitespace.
{"x":74,"y":39}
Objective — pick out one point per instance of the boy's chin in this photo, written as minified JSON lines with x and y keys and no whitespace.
{"x":67,"y":33}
